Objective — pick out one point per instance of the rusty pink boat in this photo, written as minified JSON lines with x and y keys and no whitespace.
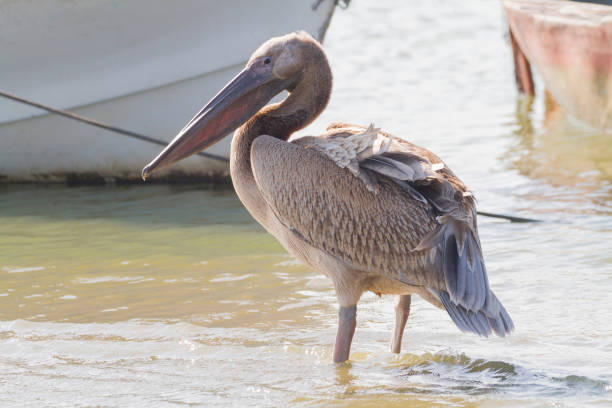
{"x":570,"y":45}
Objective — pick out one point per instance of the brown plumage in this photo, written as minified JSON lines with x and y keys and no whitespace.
{"x":370,"y":211}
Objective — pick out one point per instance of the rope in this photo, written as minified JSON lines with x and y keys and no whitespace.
{"x":510,"y":218}
{"x":96,"y":123}
{"x":343,"y":4}
{"x":149,"y":139}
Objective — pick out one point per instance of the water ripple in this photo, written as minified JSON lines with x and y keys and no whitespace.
{"x":458,"y":373}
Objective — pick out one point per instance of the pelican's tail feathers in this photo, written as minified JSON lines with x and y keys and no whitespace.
{"x":477,"y":321}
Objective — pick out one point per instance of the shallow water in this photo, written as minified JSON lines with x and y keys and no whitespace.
{"x":171,"y":295}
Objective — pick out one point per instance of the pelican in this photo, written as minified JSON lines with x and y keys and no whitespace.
{"x":370,"y":211}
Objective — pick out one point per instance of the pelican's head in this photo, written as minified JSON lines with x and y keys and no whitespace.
{"x":277,"y":65}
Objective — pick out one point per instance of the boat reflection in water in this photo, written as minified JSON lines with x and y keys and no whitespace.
{"x":564,"y":154}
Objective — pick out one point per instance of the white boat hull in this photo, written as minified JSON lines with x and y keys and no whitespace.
{"x":148,"y":85}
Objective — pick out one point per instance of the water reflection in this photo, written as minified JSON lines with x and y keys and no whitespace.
{"x":564,"y":154}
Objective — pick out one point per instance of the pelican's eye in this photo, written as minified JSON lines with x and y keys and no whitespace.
{"x":267,"y":60}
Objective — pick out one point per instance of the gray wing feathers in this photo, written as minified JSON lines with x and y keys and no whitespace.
{"x":468,"y":298}
{"x":476,"y":321}
{"x":400,"y":170}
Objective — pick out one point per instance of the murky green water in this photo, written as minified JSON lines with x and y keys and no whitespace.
{"x":166,"y":295}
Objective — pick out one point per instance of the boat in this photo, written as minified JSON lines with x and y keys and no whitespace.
{"x":570,"y":45}
{"x":141,"y":65}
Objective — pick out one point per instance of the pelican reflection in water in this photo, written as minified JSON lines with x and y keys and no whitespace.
{"x":370,"y":211}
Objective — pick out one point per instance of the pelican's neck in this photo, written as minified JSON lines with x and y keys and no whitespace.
{"x":305,"y":102}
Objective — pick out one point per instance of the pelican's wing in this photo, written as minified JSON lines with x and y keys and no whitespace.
{"x":383,"y":206}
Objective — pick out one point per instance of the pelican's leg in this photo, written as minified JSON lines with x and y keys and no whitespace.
{"x":402,"y":310}
{"x":347,"y":320}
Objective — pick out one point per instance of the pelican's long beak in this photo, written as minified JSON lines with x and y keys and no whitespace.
{"x":240,"y":99}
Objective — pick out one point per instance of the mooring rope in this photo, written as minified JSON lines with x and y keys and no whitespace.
{"x":510,"y":218}
{"x":96,"y":123}
{"x":74,"y":116}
